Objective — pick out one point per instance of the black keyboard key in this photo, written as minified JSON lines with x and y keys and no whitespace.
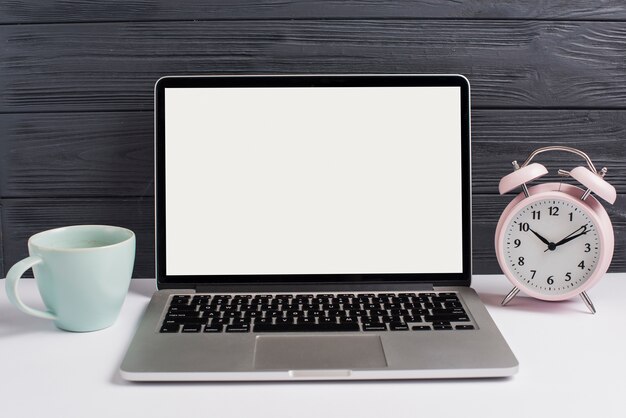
{"x":449,"y":318}
{"x":167,"y":328}
{"x":464,"y":327}
{"x":191,"y":328}
{"x":213,"y":328}
{"x":238,"y":328}
{"x":182,"y":308}
{"x":399,"y":312}
{"x":374,"y":326}
{"x":189,"y":321}
{"x":172,"y":315}
{"x":421,"y":328}
{"x":398,"y":326}
{"x":454,"y":311}
{"x":442,"y":327}
{"x":305,"y":327}
{"x":418,"y":312}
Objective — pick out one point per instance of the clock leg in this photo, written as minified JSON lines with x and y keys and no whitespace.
{"x":510,"y":296}
{"x":588,"y":302}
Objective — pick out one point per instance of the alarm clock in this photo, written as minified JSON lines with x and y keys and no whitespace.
{"x":554,"y":240}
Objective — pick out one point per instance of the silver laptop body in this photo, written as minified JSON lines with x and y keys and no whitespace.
{"x":278,"y":196}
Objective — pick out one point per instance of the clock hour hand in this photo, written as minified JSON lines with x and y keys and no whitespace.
{"x":545,"y":241}
{"x":573,"y":235}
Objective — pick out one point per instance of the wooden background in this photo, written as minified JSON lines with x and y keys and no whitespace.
{"x":76,"y":79}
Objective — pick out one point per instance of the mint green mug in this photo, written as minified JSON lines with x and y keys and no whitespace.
{"x":82,"y":273}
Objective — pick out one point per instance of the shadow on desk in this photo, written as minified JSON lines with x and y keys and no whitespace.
{"x":15,"y":323}
{"x":117,"y":380}
{"x":528,"y":304}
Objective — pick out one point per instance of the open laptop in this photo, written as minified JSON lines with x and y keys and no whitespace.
{"x":314,"y":227}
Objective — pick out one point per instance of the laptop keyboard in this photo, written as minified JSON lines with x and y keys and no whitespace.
{"x":315,"y":313}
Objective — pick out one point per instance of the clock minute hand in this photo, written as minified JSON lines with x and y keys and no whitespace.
{"x":572,"y":236}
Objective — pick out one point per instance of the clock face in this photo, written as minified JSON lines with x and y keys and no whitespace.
{"x":551,"y":246}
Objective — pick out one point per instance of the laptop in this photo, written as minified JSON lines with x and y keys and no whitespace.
{"x":314,"y":227}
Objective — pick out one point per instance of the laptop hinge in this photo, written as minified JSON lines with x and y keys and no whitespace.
{"x":311,"y":287}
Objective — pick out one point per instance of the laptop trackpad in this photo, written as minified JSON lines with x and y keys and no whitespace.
{"x":301,"y":352}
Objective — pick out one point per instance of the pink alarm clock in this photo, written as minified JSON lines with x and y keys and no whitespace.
{"x":554,"y":241}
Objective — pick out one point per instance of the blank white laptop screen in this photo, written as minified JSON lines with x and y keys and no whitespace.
{"x":321,"y":180}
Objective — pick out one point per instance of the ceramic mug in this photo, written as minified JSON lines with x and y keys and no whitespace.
{"x":82,"y":273}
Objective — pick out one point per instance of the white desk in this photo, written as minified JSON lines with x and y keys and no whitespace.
{"x":572,"y":364}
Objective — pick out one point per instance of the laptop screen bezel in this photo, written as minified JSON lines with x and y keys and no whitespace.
{"x":191,"y":281}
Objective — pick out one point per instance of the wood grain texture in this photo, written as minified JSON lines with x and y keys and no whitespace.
{"x":24,"y":217}
{"x":113,"y":66}
{"x":29,"y":11}
{"x":21,"y":218}
{"x":77,"y":154}
{"x":111,"y":153}
{"x":501,"y":136}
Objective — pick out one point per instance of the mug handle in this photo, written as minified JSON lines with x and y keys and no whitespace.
{"x":13,"y":277}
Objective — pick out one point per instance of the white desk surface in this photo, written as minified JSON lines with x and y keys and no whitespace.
{"x":572,"y":364}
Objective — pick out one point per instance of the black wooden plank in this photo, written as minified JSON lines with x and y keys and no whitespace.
{"x":25,"y":11}
{"x":499,"y":137}
{"x":111,"y":153}
{"x":24,"y":217}
{"x":113,"y":66}
{"x":76,"y":154}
